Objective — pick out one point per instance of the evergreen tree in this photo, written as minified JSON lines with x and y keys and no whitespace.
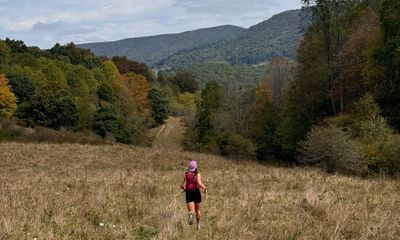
{"x":208,"y":105}
{"x":159,"y":105}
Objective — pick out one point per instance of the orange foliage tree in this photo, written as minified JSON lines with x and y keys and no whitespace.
{"x":138,"y":88}
{"x":8,"y":101}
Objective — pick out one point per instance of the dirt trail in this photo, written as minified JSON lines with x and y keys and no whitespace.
{"x":169,"y":134}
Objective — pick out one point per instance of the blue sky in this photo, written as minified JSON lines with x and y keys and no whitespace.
{"x":44,"y":22}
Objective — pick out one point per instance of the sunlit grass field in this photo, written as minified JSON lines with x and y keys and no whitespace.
{"x":71,"y":191}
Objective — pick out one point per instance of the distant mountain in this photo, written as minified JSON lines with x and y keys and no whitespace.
{"x":156,"y":48}
{"x":277,"y":36}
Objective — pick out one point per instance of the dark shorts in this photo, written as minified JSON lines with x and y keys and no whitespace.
{"x":193,"y":196}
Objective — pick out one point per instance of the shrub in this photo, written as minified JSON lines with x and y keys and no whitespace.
{"x":9,"y":130}
{"x":361,"y":141}
{"x":390,"y":156}
{"x":332,"y":149}
{"x":374,"y":135}
{"x":235,"y":146}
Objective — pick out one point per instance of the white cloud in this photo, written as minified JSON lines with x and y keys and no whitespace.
{"x":45,"y":22}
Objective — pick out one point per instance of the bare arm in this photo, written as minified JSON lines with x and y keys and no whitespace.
{"x":200,"y":183}
{"x":183,"y":182}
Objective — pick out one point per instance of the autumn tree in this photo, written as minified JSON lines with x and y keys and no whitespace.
{"x":139,"y":88}
{"x":279,"y":76}
{"x":332,"y":19}
{"x":8,"y":104}
{"x":125,"y":66}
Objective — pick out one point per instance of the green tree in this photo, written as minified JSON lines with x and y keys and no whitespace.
{"x":55,"y":77}
{"x":76,"y":55}
{"x":389,"y":57}
{"x":159,"y":105}
{"x":105,"y":121}
{"x":106,"y":93}
{"x":5,"y":56}
{"x":81,"y":80}
{"x":16,"y":46}
{"x":54,"y":110}
{"x":186,"y":82}
{"x":23,"y":88}
{"x":206,"y":108}
{"x":109,"y":72}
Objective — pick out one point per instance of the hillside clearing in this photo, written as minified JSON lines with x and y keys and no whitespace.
{"x":71,"y":191}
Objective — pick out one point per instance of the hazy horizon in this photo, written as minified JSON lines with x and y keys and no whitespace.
{"x":46,"y":22}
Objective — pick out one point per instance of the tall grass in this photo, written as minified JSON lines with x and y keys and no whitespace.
{"x":71,"y":191}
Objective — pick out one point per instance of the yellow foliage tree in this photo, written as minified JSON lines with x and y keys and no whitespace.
{"x":8,"y":101}
{"x":139,"y":88}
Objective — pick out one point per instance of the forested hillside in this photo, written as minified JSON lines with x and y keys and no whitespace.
{"x":277,"y":36}
{"x":151,"y":50}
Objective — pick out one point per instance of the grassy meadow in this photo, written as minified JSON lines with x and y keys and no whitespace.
{"x":72,"y":191}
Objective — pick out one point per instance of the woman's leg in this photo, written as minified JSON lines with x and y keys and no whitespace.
{"x":198,"y":214}
{"x":191,"y":210}
{"x":191,"y":207}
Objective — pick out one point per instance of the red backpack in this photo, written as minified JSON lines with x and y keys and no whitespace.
{"x":191,"y":181}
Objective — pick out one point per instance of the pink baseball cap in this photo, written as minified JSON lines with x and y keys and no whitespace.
{"x":192,"y":166}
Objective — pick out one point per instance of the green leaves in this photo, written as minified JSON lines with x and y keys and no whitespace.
{"x":159,"y":105}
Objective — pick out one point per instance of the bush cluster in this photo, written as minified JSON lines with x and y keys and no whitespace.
{"x":360,"y":142}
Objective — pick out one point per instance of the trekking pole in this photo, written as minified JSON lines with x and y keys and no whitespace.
{"x":179,"y":193}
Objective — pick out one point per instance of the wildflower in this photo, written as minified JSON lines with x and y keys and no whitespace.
{"x":101,"y":224}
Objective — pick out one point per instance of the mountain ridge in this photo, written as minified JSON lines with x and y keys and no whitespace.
{"x":151,"y":49}
{"x":277,"y":36}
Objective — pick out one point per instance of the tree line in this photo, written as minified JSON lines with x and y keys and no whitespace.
{"x":70,"y":88}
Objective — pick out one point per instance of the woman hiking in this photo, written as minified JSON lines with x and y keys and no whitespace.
{"x":191,"y":184}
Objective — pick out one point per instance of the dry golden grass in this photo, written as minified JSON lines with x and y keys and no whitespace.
{"x":51,"y":191}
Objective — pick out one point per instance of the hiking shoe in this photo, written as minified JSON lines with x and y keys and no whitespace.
{"x":190,"y":219}
{"x":198,"y":224}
